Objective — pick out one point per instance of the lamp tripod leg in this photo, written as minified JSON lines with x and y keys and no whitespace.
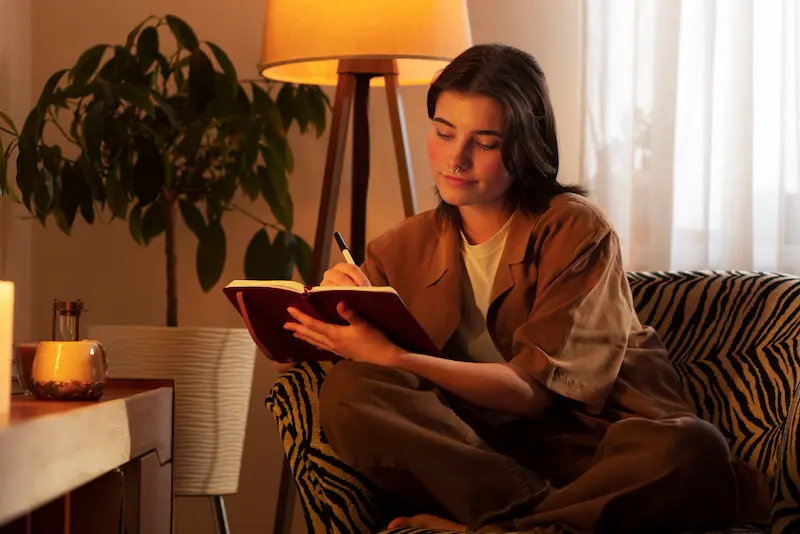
{"x":401,"y":151}
{"x":220,"y":515}
{"x":334,"y":161}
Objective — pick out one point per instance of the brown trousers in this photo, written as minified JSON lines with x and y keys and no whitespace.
{"x":437,"y":455}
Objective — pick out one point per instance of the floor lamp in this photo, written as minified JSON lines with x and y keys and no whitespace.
{"x":356,"y":45}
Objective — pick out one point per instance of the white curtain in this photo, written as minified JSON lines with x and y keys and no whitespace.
{"x":692,"y":130}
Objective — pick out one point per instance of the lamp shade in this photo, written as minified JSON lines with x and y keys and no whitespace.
{"x":304,"y":40}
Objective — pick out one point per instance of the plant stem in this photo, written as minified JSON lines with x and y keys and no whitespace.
{"x":172,"y":279}
{"x":9,"y":132}
{"x":256,"y":219}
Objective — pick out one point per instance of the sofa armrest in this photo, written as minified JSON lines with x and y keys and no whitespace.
{"x":786,"y":499}
{"x":335,"y":498}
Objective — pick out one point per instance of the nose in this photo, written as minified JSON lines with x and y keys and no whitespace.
{"x":460,"y":156}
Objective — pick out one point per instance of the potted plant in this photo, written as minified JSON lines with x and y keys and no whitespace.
{"x":146,"y":135}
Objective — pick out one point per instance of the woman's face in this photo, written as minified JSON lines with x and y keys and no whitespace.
{"x":464,"y":150}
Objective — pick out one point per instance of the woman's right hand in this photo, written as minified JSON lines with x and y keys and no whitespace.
{"x":345,"y":274}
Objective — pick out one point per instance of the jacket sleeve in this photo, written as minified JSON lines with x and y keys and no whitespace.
{"x":373,"y":266}
{"x":577,"y":333}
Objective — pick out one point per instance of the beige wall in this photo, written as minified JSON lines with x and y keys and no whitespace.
{"x":124,"y":283}
{"x":15,"y":98}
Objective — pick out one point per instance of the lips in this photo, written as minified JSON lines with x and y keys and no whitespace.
{"x":457,"y":182}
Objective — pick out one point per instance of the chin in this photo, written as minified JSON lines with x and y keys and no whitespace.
{"x":454,"y":198}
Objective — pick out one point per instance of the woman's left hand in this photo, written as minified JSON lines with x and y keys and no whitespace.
{"x":358,"y":341}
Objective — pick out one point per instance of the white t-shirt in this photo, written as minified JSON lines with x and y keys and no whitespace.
{"x":480,"y":262}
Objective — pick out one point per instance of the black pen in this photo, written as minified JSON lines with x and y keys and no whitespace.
{"x":343,"y":247}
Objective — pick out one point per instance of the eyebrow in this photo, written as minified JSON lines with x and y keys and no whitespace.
{"x":479,"y":132}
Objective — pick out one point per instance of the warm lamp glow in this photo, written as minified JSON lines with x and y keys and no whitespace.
{"x":304,"y":39}
{"x":6,"y":343}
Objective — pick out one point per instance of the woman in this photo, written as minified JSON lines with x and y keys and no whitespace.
{"x":555,"y":406}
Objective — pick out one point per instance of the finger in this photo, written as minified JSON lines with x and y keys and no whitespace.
{"x":307,"y":332}
{"x":348,"y":314}
{"x":308,"y":321}
{"x":399,"y":522}
{"x":333,"y":277}
{"x":354,"y":273}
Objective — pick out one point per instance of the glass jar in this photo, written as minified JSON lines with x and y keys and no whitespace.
{"x":69,"y":370}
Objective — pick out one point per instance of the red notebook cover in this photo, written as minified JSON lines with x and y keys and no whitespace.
{"x":262,"y":306}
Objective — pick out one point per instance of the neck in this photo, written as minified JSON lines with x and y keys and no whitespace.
{"x":481,"y":223}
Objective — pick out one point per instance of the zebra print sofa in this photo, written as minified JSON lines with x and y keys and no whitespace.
{"x":734,"y":338}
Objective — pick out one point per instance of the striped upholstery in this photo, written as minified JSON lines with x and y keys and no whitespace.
{"x":734,"y":338}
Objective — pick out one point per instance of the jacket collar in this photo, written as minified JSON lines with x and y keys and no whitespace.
{"x":445,"y":274}
{"x":446,"y":260}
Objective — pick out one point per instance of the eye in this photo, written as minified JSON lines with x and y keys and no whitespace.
{"x":442,"y":135}
{"x":487,"y":147}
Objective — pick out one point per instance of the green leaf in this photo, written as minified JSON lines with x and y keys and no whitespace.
{"x":193,"y":217}
{"x":277,"y":171}
{"x":9,"y":122}
{"x":164,"y":106}
{"x":250,"y":147}
{"x":282,"y":258}
{"x":241,"y":104}
{"x":87,"y":64}
{"x":148,"y":173}
{"x":73,"y":192}
{"x":135,"y":224}
{"x":286,"y":104}
{"x":147,"y":47}
{"x":3,"y":171}
{"x":51,"y":159}
{"x":302,"y":257}
{"x":190,"y":144}
{"x":183,"y":33}
{"x":302,"y":108}
{"x":87,"y":210}
{"x":259,"y":97}
{"x":283,"y":211}
{"x":92,"y":179}
{"x":42,"y":195}
{"x":123,"y":66}
{"x":78,"y":91}
{"x":256,"y":257}
{"x":323,"y":95}
{"x":132,"y":36}
{"x":136,"y":96}
{"x":227,"y":67}
{"x":211,"y":255}
{"x":152,"y":222}
{"x":317,"y":111}
{"x":283,"y":152}
{"x":93,"y":129}
{"x":116,"y":197}
{"x":250,"y":184}
{"x":201,"y":80}
{"x":61,"y":221}
{"x":273,"y":127}
{"x":28,"y":157}
{"x":47,"y":91}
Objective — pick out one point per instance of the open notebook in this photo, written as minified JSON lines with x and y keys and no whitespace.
{"x":262,"y":305}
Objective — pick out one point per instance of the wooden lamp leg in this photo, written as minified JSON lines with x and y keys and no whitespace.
{"x":333,"y":175}
{"x":401,"y":152}
{"x":360,"y":184}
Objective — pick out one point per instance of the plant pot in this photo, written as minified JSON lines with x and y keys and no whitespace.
{"x":213,"y":373}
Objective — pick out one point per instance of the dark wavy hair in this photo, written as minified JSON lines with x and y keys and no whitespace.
{"x":530,"y":145}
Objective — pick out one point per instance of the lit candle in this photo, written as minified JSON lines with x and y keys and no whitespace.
{"x":6,"y":343}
